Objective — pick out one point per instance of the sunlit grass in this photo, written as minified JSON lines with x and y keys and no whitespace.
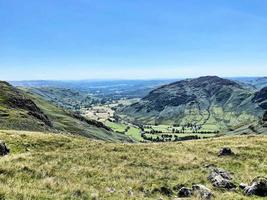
{"x":135,"y":133}
{"x":50,"y":166}
{"x":118,"y":127}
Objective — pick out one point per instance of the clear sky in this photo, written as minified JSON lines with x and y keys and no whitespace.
{"x":132,"y":39}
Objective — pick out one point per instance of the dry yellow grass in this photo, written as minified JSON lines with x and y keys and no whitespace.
{"x":49,"y":166}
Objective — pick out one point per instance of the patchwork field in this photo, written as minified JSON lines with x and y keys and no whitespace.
{"x":49,"y":166}
{"x":100,"y":113}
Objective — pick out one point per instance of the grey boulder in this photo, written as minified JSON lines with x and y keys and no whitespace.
{"x":185,"y":192}
{"x":3,"y":149}
{"x":226,"y":151}
{"x":202,"y":191}
{"x":221,"y":179}
{"x":257,"y":187}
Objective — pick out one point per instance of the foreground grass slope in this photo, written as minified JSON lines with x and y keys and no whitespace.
{"x":50,"y":166}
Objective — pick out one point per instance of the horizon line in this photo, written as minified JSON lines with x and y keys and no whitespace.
{"x":131,"y":79}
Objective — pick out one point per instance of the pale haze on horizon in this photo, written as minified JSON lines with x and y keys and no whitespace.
{"x":123,"y":39}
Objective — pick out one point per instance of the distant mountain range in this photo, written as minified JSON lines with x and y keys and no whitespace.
{"x":104,"y":89}
{"x":254,"y":82}
{"x":125,"y":88}
{"x":209,"y":100}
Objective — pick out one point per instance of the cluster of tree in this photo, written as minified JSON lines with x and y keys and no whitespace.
{"x":154,"y":139}
{"x":90,"y":121}
{"x":188,"y":137}
{"x":206,"y":132}
{"x":152,"y":131}
{"x":176,"y":131}
{"x":194,"y":128}
{"x":194,"y":131}
{"x":138,"y":124}
{"x":147,"y":126}
{"x":169,"y":138}
{"x":125,"y":131}
{"x":187,"y":125}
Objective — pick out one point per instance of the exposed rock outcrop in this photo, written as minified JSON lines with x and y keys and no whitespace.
{"x":221,"y":179}
{"x":257,"y":187}
{"x":197,"y":190}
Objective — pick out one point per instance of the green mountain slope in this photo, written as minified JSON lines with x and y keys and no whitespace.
{"x":71,"y":123}
{"x":211,"y":101}
{"x":261,"y":98}
{"x":65,"y":98}
{"x":21,"y":110}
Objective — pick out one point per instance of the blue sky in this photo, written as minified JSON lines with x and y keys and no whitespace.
{"x":132,"y":39}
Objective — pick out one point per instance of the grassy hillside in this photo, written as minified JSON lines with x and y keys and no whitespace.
{"x":66,"y":98}
{"x":20,"y":110}
{"x":64,"y":121}
{"x":209,"y":102}
{"x":50,"y":166}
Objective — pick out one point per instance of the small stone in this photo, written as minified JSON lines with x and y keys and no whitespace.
{"x":185,"y":192}
{"x":3,"y":149}
{"x":130,"y":192}
{"x":226,"y":151}
{"x":202,"y":191}
{"x":111,"y":190}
